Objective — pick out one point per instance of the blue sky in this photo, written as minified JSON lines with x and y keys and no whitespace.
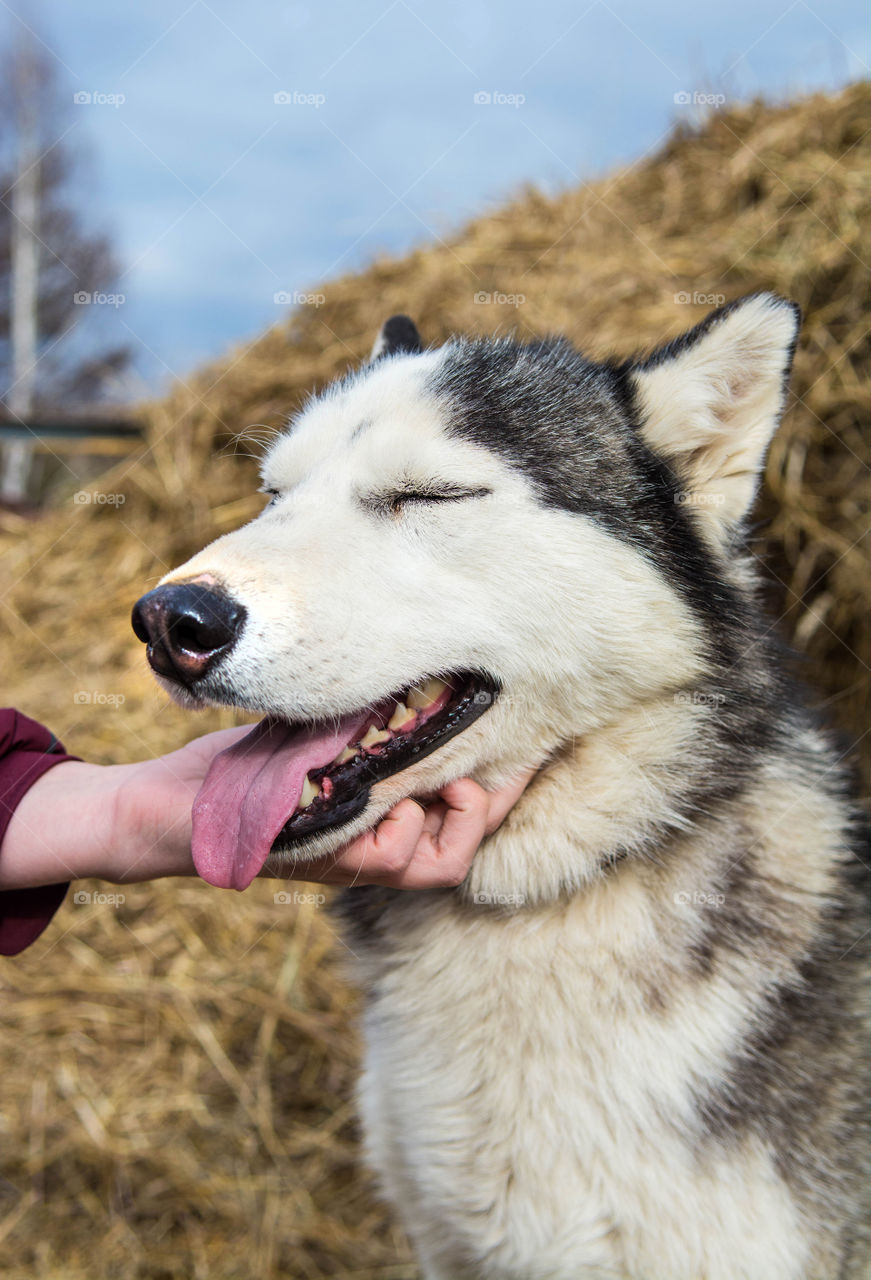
{"x":218,"y":197}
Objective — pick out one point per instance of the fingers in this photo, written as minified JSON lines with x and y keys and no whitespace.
{"x":422,"y":848}
{"x":453,"y":828}
{"x":380,"y":856}
{"x":503,"y":800}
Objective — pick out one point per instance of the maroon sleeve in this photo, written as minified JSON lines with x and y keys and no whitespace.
{"x":27,"y":751}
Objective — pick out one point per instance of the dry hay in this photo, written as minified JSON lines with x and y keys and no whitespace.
{"x":177,"y":1069}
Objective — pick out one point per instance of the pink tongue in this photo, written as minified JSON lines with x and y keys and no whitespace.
{"x":252,"y":789}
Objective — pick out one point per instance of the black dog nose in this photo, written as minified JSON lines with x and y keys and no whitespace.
{"x":187,"y":627}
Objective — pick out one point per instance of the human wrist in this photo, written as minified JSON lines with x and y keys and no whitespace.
{"x":152,"y":824}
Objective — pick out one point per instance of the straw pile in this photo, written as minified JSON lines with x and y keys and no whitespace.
{"x":178,"y":1068}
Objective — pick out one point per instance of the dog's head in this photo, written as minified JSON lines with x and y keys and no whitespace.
{"x":470,"y":556}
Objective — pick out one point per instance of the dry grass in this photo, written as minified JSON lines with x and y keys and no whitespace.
{"x":177,"y":1070}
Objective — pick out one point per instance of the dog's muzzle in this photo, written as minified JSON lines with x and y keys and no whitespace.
{"x":188,"y":628}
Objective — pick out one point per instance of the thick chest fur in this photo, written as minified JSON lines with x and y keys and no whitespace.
{"x":532,"y":1097}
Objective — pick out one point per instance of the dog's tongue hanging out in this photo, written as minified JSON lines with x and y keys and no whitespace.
{"x":252,"y":789}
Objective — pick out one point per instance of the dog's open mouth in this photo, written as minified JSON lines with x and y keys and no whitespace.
{"x":283,"y":782}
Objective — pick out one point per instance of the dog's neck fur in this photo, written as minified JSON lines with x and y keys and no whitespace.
{"x":620,"y":781}
{"x":637,"y":789}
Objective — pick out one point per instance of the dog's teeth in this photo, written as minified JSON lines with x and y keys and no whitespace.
{"x":428,"y":693}
{"x":346,"y":754}
{"x":310,"y":791}
{"x":402,"y":716}
{"x":373,"y":736}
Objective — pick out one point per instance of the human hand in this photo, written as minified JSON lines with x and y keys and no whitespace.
{"x":128,"y":823}
{"x":421,"y":847}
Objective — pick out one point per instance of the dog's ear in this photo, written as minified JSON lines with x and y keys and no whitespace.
{"x":399,"y":333}
{"x":711,"y":400}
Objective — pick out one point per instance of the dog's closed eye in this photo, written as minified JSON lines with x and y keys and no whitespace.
{"x":396,"y":500}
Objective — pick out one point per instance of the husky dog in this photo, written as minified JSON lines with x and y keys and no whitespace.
{"x":633,"y":1043}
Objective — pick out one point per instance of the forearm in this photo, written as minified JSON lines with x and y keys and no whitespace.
{"x":63,"y":826}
